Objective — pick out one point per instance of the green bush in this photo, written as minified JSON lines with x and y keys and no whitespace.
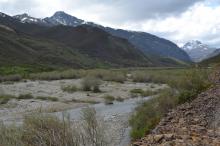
{"x":148,"y":114}
{"x":186,"y":86}
{"x":142,"y":93}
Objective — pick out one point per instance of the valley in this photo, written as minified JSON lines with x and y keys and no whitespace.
{"x":66,"y":81}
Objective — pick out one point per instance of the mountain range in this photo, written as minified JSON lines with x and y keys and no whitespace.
{"x":66,"y":41}
{"x":199,"y":51}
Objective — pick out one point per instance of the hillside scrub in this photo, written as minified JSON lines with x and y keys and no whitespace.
{"x":184,"y":89}
{"x":40,"y":129}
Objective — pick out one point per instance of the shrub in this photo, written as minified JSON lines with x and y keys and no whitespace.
{"x":43,"y":130}
{"x":119,"y":99}
{"x":47,"y":98}
{"x":191,"y":84}
{"x":25,"y":96}
{"x":115,"y":77}
{"x":142,"y":93}
{"x":186,"y":86}
{"x":4,"y":99}
{"x":57,"y":75}
{"x":109,"y":99}
{"x":13,"y":78}
{"x":91,"y":83}
{"x":69,"y":89}
{"x":48,"y":130}
{"x":138,"y":91}
{"x":148,"y":114}
{"x":140,"y":76}
{"x":94,"y":131}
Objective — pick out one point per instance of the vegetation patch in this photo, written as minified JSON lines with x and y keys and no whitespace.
{"x":47,"y":98}
{"x":4,"y":99}
{"x":40,"y":129}
{"x":109,"y":99}
{"x":186,"y":86}
{"x":91,"y":84}
{"x":25,"y":96}
{"x":142,"y":93}
{"x":119,"y":99}
{"x":70,"y":88}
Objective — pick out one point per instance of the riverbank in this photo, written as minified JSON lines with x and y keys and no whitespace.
{"x":195,"y":123}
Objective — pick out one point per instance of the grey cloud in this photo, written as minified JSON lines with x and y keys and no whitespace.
{"x":138,"y":10}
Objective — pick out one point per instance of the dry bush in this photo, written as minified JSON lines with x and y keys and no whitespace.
{"x":13,"y":78}
{"x":94,"y":132}
{"x":70,"y":88}
{"x":46,"y":130}
{"x":58,"y":75}
{"x":10,"y":135}
{"x":91,"y":83}
{"x":109,"y":99}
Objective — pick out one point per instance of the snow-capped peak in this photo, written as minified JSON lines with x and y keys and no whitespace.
{"x":2,"y":14}
{"x":197,"y":50}
{"x":195,"y":44}
{"x":62,"y":18}
{"x":25,"y":18}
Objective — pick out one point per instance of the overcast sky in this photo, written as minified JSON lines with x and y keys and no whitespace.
{"x":176,"y":20}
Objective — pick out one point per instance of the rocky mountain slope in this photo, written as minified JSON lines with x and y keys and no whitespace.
{"x":22,"y":50}
{"x":191,"y":124}
{"x":82,"y":46}
{"x":149,"y":44}
{"x":197,"y":50}
{"x":97,"y":44}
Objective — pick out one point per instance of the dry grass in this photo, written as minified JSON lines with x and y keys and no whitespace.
{"x":45,"y":130}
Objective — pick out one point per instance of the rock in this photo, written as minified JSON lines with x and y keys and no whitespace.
{"x":158,"y":138}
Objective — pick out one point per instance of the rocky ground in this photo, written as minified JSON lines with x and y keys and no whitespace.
{"x":191,"y":124}
{"x":115,"y":116}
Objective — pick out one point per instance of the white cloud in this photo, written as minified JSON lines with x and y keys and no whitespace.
{"x":200,"y":22}
{"x":177,"y":20}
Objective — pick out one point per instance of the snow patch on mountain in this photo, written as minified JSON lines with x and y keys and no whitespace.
{"x":197,"y":50}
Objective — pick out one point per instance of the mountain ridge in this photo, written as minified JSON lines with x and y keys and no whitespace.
{"x":147,"y":43}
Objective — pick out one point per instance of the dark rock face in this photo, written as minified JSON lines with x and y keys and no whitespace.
{"x":151,"y":45}
{"x":61,"y":18}
{"x":191,"y":124}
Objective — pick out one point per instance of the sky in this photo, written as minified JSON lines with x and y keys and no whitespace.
{"x":177,"y":20}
